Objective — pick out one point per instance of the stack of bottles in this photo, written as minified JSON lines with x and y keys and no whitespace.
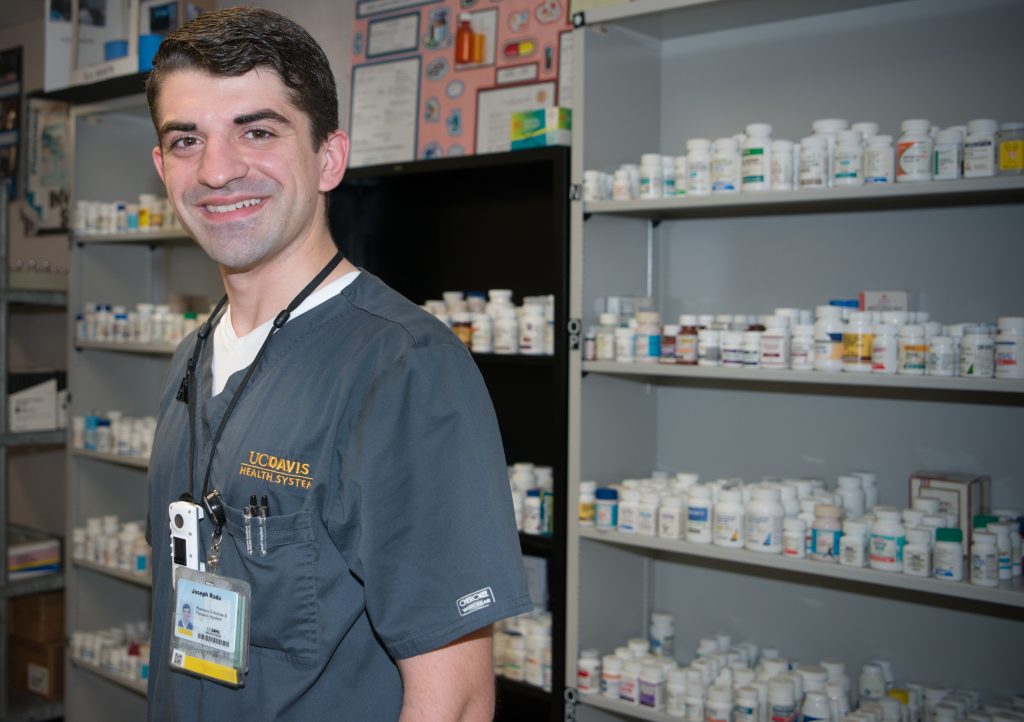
{"x":522,"y":649}
{"x":801,"y":518}
{"x":533,"y":498}
{"x":114,"y":433}
{"x":122,"y":651}
{"x":148,"y":323}
{"x":836,"y":154}
{"x":493,"y":324}
{"x":726,"y":682}
{"x":106,"y":541}
{"x":835,"y":337}
{"x":150,"y":213}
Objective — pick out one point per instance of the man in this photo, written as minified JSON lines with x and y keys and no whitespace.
{"x":382,"y":547}
{"x":186,"y":617}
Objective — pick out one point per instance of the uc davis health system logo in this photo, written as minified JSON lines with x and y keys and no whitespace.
{"x":277,"y":470}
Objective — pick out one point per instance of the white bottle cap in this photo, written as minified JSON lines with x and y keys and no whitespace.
{"x":916,"y":125}
{"x":982,"y":126}
{"x":700,"y":145}
{"x":759,"y":129}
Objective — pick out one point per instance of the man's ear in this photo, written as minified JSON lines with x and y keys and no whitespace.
{"x":335,"y":160}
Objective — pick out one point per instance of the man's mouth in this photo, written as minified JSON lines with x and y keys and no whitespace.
{"x":210,"y":208}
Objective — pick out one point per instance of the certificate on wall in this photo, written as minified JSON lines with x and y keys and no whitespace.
{"x":495,"y":107}
{"x":385,"y":102}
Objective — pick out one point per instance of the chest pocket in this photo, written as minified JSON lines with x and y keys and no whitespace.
{"x":284,"y":609}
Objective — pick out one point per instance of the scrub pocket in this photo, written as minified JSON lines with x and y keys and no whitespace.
{"x":283,"y":583}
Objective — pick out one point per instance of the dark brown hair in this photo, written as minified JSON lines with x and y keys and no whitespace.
{"x":234,"y":41}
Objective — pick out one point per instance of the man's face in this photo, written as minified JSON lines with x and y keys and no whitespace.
{"x":186,"y":615}
{"x":239,"y":167}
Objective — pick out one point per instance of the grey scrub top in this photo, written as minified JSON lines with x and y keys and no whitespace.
{"x":369,"y":428}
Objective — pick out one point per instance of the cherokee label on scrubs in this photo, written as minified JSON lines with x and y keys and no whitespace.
{"x":210,"y":629}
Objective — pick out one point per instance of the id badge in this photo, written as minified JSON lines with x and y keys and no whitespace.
{"x":210,"y":627}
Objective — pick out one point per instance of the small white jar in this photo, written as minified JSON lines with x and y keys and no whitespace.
{"x":853,"y":545}
{"x":814,"y":165}
{"x":914,"y":152}
{"x":728,"y":530}
{"x":848,"y":161}
{"x":699,"y":510}
{"x":756,"y":158}
{"x":977,"y":353}
{"x":764,"y":521}
{"x":887,"y":540}
{"x":825,"y":533}
{"x":884,"y":349}
{"x":980,"y":148}
{"x":725,"y":166}
{"x":794,"y":537}
{"x":913,"y":350}
{"x":948,"y":155}
{"x":943,"y":358}
{"x":1009,"y":348}
{"x":782,"y":165}
{"x":879,"y":160}
{"x":917,"y":553}
{"x":948,"y":555}
{"x":698,"y":167}
{"x":709,"y":347}
{"x":858,"y":337}
{"x":984,"y":559}
{"x":801,"y":347}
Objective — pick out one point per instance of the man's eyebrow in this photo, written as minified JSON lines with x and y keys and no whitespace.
{"x":258,"y":115}
{"x":174,"y":126}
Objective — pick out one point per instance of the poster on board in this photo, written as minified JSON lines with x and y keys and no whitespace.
{"x":475,"y":62}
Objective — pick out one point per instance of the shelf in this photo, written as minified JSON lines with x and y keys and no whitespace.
{"x":624,"y":708}
{"x":53,"y":437}
{"x":1007,"y":594}
{"x":139,"y":688}
{"x":26,"y":707}
{"x":513,"y":359}
{"x":143,"y":349}
{"x":108,"y":89}
{"x":136,"y":462}
{"x":24,"y":297}
{"x":171,"y":236}
{"x":883,"y":383}
{"x":143,"y":580}
{"x":937,"y":194}
{"x":536,"y":545}
{"x":49,"y":582}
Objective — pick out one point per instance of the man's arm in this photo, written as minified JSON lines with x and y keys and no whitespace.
{"x":452,"y":684}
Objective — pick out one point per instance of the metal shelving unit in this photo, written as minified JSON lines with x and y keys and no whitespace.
{"x":19,"y":706}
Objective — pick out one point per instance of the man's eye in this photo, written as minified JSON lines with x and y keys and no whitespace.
{"x":259,"y":134}
{"x":185,"y":141}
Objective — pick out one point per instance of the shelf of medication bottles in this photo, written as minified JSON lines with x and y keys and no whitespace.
{"x":52,"y":437}
{"x":1008,"y":594}
{"x":624,"y":708}
{"x":145,"y":349}
{"x":137,"y":462}
{"x":143,"y":579}
{"x":535,"y":545}
{"x":49,"y":582}
{"x":135,"y":686}
{"x":163,"y":235}
{"x":27,"y":707}
{"x":970,"y":191}
{"x":26,"y":297}
{"x":721,"y":374}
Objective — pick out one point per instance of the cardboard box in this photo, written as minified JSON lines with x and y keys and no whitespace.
{"x":32,"y":557}
{"x":962,"y":494}
{"x":884,"y":301}
{"x":37,"y":667}
{"x":37,"y":617}
{"x":35,"y":400}
{"x":542,"y":127}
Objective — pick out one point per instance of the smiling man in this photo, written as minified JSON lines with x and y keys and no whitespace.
{"x":383,"y":546}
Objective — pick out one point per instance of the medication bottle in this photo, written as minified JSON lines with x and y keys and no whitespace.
{"x":781,"y":164}
{"x":605,"y":341}
{"x":848,"y":162}
{"x":675,"y":693}
{"x":588,"y":673}
{"x":885,"y":544}
{"x":794,"y":537}
{"x":828,"y":339}
{"x":977,"y":353}
{"x":853,"y":545}
{"x":682,"y":175}
{"x":884,"y":349}
{"x":668,"y":176}
{"x":651,"y":179}
{"x":531,"y":512}
{"x":914,"y":152}
{"x":858,"y":336}
{"x":801,"y":348}
{"x":719,"y":707}
{"x":879,"y":160}
{"x":629,"y":511}
{"x":775,"y":344}
{"x":813,"y":162}
{"x":1009,"y":348}
{"x":829,"y":128}
{"x":980,"y":148}
{"x":752,"y":349}
{"x":815,"y":708}
{"x":531,"y":330}
{"x":698,"y":167}
{"x":1010,"y":148}
{"x":624,"y":345}
{"x":729,"y":519}
{"x":764,"y":521}
{"x":781,"y":700}
{"x":652,"y":686}
{"x":629,"y":686}
{"x":943,"y":357}
{"x":587,"y":503}
{"x":917,"y":554}
{"x":850,"y":490}
{"x":611,"y":676}
{"x":648,"y":337}
{"x":699,"y":514}
{"x":948,"y":156}
{"x":725,"y":166}
{"x":606,"y":509}
{"x":1003,"y":546}
{"x":669,"y":332}
{"x":757,"y":158}
{"x":709,"y":347}
{"x":686,"y":341}
{"x":825,"y":533}
{"x":672,"y":517}
{"x":506,"y":332}
{"x":948,"y":556}
{"x":732,"y":349}
{"x":984,"y":559}
{"x":871,"y":685}
{"x":647,"y":513}
{"x":622,"y":187}
{"x":662,"y":635}
{"x":913,"y":352}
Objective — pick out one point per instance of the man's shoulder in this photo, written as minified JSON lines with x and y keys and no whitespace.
{"x":394,"y":313}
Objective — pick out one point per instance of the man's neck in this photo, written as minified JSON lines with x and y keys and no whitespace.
{"x":260,"y":293}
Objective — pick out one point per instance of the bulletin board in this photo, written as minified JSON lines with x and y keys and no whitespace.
{"x":424,"y":85}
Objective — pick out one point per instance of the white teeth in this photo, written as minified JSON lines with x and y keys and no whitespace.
{"x":233,"y":206}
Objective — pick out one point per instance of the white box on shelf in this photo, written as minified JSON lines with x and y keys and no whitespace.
{"x":962,"y":494}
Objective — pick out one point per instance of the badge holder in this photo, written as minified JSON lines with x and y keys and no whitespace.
{"x":210,"y":627}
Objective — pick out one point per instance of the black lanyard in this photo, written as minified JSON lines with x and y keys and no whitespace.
{"x":188,"y":388}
